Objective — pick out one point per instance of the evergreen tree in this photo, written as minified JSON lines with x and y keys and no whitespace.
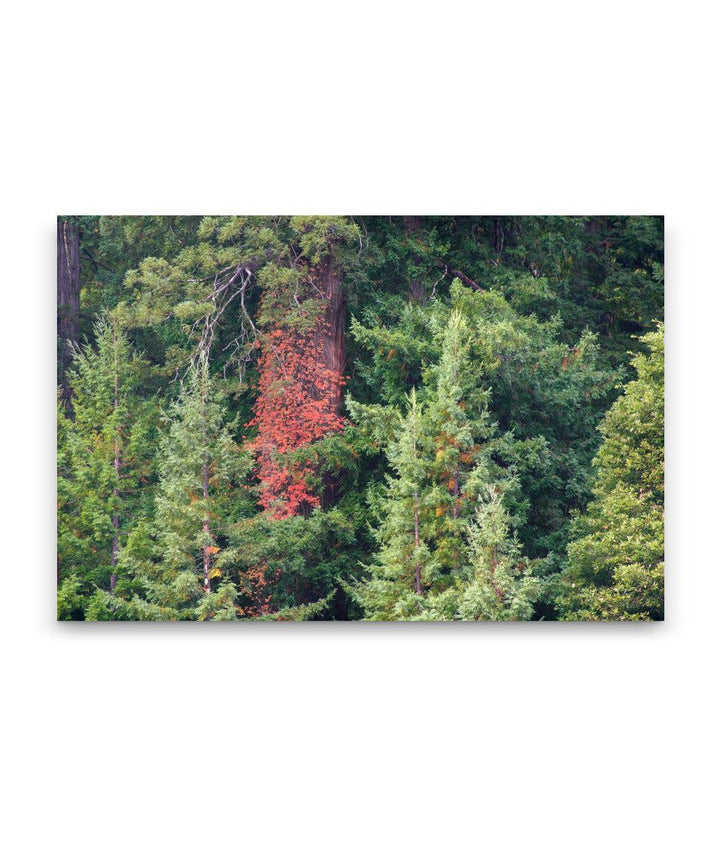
{"x":68,"y":300}
{"x":404,"y":566}
{"x":501,"y":587}
{"x":199,"y":465}
{"x":616,"y":562}
{"x":104,"y":461}
{"x":484,"y":351}
{"x":460,"y":424}
{"x":441,"y":458}
{"x":302,"y":361}
{"x":546,"y":397}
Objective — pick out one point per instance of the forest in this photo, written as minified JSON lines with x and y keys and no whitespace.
{"x":339,"y":418}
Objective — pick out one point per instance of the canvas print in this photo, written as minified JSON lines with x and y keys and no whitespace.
{"x":360,"y":418}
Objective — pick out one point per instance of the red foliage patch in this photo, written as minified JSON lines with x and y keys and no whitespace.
{"x":296,"y":406}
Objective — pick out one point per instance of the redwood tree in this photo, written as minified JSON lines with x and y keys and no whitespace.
{"x":301,"y":364}
{"x":68,"y":300}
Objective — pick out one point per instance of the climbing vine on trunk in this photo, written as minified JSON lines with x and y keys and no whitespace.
{"x":296,"y":406}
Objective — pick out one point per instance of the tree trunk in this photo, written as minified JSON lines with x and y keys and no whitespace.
{"x":456,"y":493}
{"x":206,"y":492}
{"x":499,"y":235}
{"x":416,"y":505}
{"x":312,"y":387}
{"x":68,"y":301}
{"x":418,"y":569}
{"x":493,"y":565}
{"x":333,"y":331}
{"x":466,"y":280}
{"x":116,"y":464}
{"x":332,"y":336}
{"x":113,"y":575}
{"x":206,"y":533}
{"x":456,"y":470}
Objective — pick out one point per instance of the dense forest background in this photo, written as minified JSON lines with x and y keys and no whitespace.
{"x":336,"y":418}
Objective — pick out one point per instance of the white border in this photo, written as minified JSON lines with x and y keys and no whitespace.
{"x":356,"y":740}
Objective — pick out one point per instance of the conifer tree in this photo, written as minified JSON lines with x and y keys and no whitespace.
{"x":104,"y":458}
{"x":404,"y":565}
{"x":440,"y":457}
{"x":511,"y":333}
{"x":616,"y":562}
{"x":501,"y":587}
{"x":302,"y":361}
{"x":461,"y":427}
{"x":199,"y":466}
{"x":68,"y":300}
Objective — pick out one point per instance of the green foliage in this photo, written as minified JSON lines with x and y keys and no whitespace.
{"x":104,"y":460}
{"x":502,"y":587}
{"x":316,"y":235}
{"x":200,"y":470}
{"x":546,"y":398}
{"x":292,"y":562}
{"x":616,"y":562}
{"x":482,"y":353}
{"x":404,"y":565}
{"x":70,"y":599}
{"x":441,"y":460}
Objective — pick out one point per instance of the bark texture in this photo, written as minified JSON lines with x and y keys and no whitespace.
{"x":329,"y":280}
{"x":333,"y":351}
{"x":68,"y":300}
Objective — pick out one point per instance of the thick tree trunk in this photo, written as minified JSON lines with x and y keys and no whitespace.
{"x":68,"y":300}
{"x":307,"y":405}
{"x":333,"y":351}
{"x":330,"y":282}
{"x":499,"y":242}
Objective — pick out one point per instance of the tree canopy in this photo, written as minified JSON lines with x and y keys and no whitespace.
{"x":342,"y":418}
